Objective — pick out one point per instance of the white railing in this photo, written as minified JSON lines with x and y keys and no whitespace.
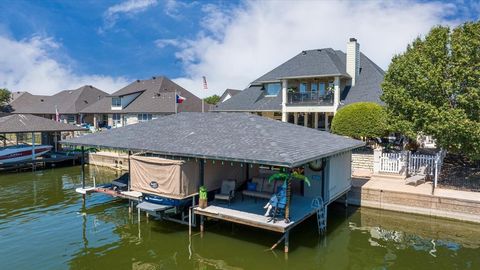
{"x":416,"y":161}
{"x":391,"y":162}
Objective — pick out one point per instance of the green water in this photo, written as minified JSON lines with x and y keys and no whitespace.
{"x":44,"y":225}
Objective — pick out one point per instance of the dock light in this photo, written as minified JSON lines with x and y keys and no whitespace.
{"x":213,"y":161}
{"x":241,"y":165}
{"x":222,"y":162}
{"x":231,"y":163}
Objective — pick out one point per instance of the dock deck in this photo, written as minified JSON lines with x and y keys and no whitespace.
{"x":251,"y":213}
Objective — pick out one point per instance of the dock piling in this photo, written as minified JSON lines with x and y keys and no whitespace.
{"x":287,"y":234}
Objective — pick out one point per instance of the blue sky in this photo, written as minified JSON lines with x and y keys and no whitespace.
{"x":54,"y":45}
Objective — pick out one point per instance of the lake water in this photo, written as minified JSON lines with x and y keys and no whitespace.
{"x":44,"y":225}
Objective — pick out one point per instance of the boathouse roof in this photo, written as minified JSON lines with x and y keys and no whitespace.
{"x":239,"y":137}
{"x":19,"y":123}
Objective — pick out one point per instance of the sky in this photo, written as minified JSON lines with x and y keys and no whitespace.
{"x":48,"y":46}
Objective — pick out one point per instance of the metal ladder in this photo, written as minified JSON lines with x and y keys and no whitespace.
{"x":317,"y":204}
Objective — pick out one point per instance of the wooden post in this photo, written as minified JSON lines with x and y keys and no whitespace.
{"x":190,"y":221}
{"x":287,"y":234}
{"x":83,"y":166}
{"x":202,"y":228}
{"x":129,"y":174}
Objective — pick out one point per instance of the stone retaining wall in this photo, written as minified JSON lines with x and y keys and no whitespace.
{"x":430,"y":205}
{"x":362,"y":161}
{"x":112,"y":160}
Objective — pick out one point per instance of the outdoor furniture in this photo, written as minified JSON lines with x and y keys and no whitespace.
{"x":264,"y":189}
{"x":417,"y":178}
{"x":227,"y":191}
{"x":278,"y":204}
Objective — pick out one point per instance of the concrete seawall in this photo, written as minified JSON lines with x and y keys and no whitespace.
{"x":393,"y":194}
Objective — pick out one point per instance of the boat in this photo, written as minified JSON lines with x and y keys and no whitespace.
{"x":22,"y":152}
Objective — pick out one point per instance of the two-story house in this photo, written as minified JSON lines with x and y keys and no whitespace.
{"x":310,"y":87}
{"x":65,"y":104}
{"x":141,"y":101}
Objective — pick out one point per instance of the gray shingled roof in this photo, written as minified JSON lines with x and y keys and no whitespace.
{"x":18,"y":123}
{"x":231,"y":92}
{"x":239,"y":137}
{"x":157,"y":96}
{"x":321,"y":62}
{"x":67,"y":101}
{"x":367,"y":87}
{"x":251,"y":99}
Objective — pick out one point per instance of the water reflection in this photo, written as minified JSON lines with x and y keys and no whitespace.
{"x":45,"y":224}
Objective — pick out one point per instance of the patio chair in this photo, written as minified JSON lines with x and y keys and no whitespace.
{"x":227,"y":191}
{"x":278,"y":208}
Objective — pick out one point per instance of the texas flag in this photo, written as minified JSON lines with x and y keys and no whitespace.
{"x":180,"y":99}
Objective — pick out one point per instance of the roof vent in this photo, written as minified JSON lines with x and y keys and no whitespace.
{"x":153,"y":78}
{"x":138,"y":80}
{"x":41,"y":100}
{"x":353,"y":39}
{"x":319,"y":50}
{"x":304,"y":52}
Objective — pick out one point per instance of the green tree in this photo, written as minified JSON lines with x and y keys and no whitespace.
{"x":434,"y":88}
{"x":360,"y":120}
{"x":289,"y":177}
{"x":5,"y":96}
{"x":212,"y":99}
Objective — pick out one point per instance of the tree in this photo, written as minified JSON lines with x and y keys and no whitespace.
{"x":5,"y":96}
{"x":360,"y":120}
{"x":212,"y":99}
{"x":433,"y":88}
{"x":295,"y":174}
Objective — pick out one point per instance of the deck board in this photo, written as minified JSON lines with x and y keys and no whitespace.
{"x":251,"y":213}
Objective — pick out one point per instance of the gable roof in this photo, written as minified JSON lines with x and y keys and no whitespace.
{"x":238,"y":137}
{"x":67,"y":101}
{"x":367,"y":86}
{"x":17,"y":123}
{"x":231,"y":92}
{"x":311,"y":63}
{"x":156,"y":95}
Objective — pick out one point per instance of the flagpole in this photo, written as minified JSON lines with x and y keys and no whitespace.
{"x":175,"y":100}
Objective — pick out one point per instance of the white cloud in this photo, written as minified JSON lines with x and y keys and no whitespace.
{"x":128,"y":7}
{"x":162,"y":43}
{"x":29,"y":65}
{"x":237,"y":46}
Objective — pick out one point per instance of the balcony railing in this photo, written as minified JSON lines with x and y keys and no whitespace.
{"x":310,"y":98}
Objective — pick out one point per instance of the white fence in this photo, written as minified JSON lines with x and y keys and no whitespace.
{"x":416,"y":161}
{"x":391,"y":162}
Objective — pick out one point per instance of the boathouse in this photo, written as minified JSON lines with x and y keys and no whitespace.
{"x":32,"y":136}
{"x":175,"y":155}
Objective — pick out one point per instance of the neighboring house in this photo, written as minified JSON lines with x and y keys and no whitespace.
{"x":229,"y":93}
{"x":68,"y":103}
{"x":16,"y":95}
{"x":309,"y":88}
{"x":141,"y":101}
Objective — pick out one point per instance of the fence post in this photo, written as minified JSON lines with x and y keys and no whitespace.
{"x":377,"y":155}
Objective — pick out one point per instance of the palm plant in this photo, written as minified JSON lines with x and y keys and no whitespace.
{"x":294,"y":174}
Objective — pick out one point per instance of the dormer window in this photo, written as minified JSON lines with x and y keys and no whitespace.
{"x":272,"y":89}
{"x":116,"y":102}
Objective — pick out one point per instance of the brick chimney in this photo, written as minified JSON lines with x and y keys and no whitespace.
{"x":353,"y":59}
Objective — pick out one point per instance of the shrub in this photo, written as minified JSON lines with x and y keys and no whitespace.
{"x":360,"y":120}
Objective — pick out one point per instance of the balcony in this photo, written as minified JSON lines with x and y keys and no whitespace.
{"x":310,"y":99}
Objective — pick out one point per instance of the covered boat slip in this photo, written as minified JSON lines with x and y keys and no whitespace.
{"x":182,"y":152}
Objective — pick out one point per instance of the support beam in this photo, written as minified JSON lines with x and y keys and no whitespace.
{"x":336,"y":92}
{"x":295,"y":118}
{"x":202,"y":172}
{"x":83,"y":166}
{"x":287,"y":236}
{"x":315,"y":119}
{"x":284,"y":101}
{"x":305,"y":119}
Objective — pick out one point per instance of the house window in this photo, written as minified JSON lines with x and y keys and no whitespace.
{"x":314,"y":87}
{"x":322,"y":89}
{"x":303,"y":87}
{"x":71,"y":119}
{"x":117,"y":119}
{"x":116,"y":102}
{"x":144,"y":117}
{"x":273,"y":88}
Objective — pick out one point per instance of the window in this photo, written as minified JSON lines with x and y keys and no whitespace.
{"x":117,"y":119}
{"x":116,"y":102}
{"x":273,"y":88}
{"x":322,"y":89}
{"x":303,"y":87}
{"x":314,"y":87}
{"x":71,"y":119}
{"x":144,"y":117}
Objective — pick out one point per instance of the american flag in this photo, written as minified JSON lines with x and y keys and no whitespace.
{"x":205,"y":86}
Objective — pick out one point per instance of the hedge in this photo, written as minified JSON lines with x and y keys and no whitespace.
{"x":361,"y":120}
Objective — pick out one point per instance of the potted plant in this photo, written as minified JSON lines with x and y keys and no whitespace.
{"x":202,"y":201}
